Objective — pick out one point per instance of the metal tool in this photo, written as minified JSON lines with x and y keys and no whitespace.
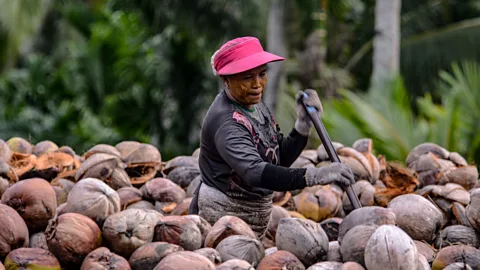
{"x":327,"y":143}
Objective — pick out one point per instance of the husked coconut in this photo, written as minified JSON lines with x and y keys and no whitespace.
{"x":235,"y":264}
{"x":227,"y":226}
{"x":13,"y":230}
{"x":277,"y":214}
{"x":355,"y":241}
{"x":314,"y":247}
{"x":103,"y":258}
{"x":456,"y":254}
{"x":105,"y":167}
{"x":149,"y":255}
{"x":281,"y":259}
{"x":241,"y":247}
{"x":211,"y":254}
{"x":143,"y":204}
{"x":183,"y":175}
{"x":178,"y":230}
{"x":330,"y":227}
{"x":202,"y":224}
{"x":318,"y":203}
{"x":128,"y":195}
{"x":185,"y":260}
{"x":326,"y":266}
{"x":31,"y":258}
{"x":457,"y":235}
{"x":165,"y":192}
{"x":180,"y":161}
{"x":334,"y":254}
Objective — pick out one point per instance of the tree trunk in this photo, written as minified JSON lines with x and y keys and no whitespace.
{"x":276,"y":45}
{"x":386,"y":45}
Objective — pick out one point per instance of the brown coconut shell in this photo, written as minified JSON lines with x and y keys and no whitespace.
{"x":375,"y":165}
{"x":351,"y":266}
{"x":326,"y":266}
{"x":20,"y":145}
{"x":38,"y":240}
{"x":144,"y":205}
{"x":330,"y":227}
{"x":129,"y":195}
{"x":466,"y":176}
{"x":193,"y":186}
{"x":49,"y":165}
{"x":457,"y":235}
{"x":126,"y":147}
{"x":105,"y":167}
{"x":101,"y":148}
{"x":322,"y":153}
{"x":5,"y":151}
{"x":363,"y":145}
{"x":425,"y":148}
{"x":302,"y":162}
{"x":471,"y":210}
{"x":366,"y":215}
{"x":22,"y":163}
{"x":178,"y":230}
{"x":211,"y":254}
{"x":202,"y":224}
{"x":71,"y":237}
{"x":13,"y":230}
{"x":426,"y":250}
{"x":44,"y":147}
{"x":185,"y":260}
{"x":397,"y":180}
{"x":390,"y":247}
{"x":182,"y":208}
{"x":417,"y":216}
{"x":63,"y":183}
{"x":163,"y":190}
{"x":362,"y":159}
{"x":318,"y":203}
{"x":457,"y":254}
{"x":35,"y":200}
{"x":149,"y":255}
{"x":31,"y":258}
{"x":103,"y":258}
{"x":314,"y":247}
{"x":129,"y":229}
{"x":93,"y":198}
{"x":280,"y":198}
{"x":423,"y":263}
{"x":458,"y":266}
{"x":355,"y":241}
{"x":236,"y":264}
{"x":7,"y":172}
{"x":365,"y":192}
{"x":67,"y":149}
{"x":334,"y":254}
{"x":143,"y":162}
{"x":184,"y":175}
{"x":457,"y":159}
{"x":241,"y":247}
{"x":277,"y":214}
{"x":180,"y":161}
{"x":460,"y":214}
{"x":227,"y":226}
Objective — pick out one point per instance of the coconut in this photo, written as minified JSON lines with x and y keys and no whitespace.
{"x":466,"y":176}
{"x":457,"y":254}
{"x":129,"y":229}
{"x":471,"y":210}
{"x":94,"y":199}
{"x":165,"y":192}
{"x":7,"y":173}
{"x":211,"y":254}
{"x":271,"y":250}
{"x":458,"y":266}
{"x":193,"y":186}
{"x":178,"y":230}
{"x":326,"y":266}
{"x":31,"y":258}
{"x":302,"y":162}
{"x":457,"y":235}
{"x":44,"y":147}
{"x":365,"y":192}
{"x":277,"y":214}
{"x":281,"y":259}
{"x":13,"y":230}
{"x":423,"y":263}
{"x":185,"y":260}
{"x":425,"y":148}
{"x":22,"y":160}
{"x":180,"y":161}
{"x":282,"y":198}
{"x":143,"y":161}
{"x":5,"y":152}
{"x":351,"y":266}
{"x":71,"y":236}
{"x":63,"y":183}
{"x":390,"y":247}
{"x":418,"y":217}
{"x":183,"y":175}
{"x":330,"y":227}
{"x":235,"y":264}
{"x":129,"y":195}
{"x":149,"y":255}
{"x":322,"y":152}
{"x":35,"y":200}
{"x":366,"y":215}
{"x":314,"y":247}
{"x":182,"y":208}
{"x":103,"y":258}
{"x":144,"y":205}
{"x":49,"y":165}
{"x":102,"y":148}
{"x":241,"y":247}
{"x":318,"y":203}
{"x":426,"y":250}
{"x":334,"y":254}
{"x":355,"y":241}
{"x":394,"y":180}
{"x":38,"y":240}
{"x":227,"y":226}
{"x":125,"y":148}
{"x":460,"y":214}
{"x":105,"y":167}
{"x":202,"y":224}
{"x":68,"y":150}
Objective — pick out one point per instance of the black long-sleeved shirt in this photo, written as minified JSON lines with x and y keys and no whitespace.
{"x":243,"y":153}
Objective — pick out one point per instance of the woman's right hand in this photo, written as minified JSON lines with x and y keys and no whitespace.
{"x":334,"y":172}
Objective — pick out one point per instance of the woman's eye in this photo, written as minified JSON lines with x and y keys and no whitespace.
{"x":247,"y":77}
{"x":263,"y":74}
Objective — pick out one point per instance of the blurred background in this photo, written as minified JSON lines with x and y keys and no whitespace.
{"x":84,"y":72}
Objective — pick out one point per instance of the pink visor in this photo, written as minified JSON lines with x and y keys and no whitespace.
{"x":241,"y":54}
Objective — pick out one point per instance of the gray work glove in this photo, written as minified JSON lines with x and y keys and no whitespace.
{"x":303,"y":124}
{"x":333,"y":172}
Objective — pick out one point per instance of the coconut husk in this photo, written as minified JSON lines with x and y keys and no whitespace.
{"x":143,"y":161}
{"x":365,"y":193}
{"x":322,"y":153}
{"x":271,"y":250}
{"x":375,"y":165}
{"x":211,"y":254}
{"x":180,"y":161}
{"x":363,"y":145}
{"x":7,"y":173}
{"x":103,"y":258}
{"x":334,"y":254}
{"x":318,"y":203}
{"x":355,"y":241}
{"x":362,"y":159}
{"x":13,"y":230}
{"x":351,"y":266}
{"x":178,"y":230}
{"x":417,"y":216}
{"x":456,"y":254}
{"x":94,"y":199}
{"x":22,"y":163}
{"x":460,"y":214}
{"x":183,"y":176}
{"x":314,"y":247}
{"x":128,"y":195}
{"x":182,"y":208}
{"x":150,"y":254}
{"x":423,"y":263}
{"x":71,"y":237}
{"x":227,"y":226}
{"x":35,"y":200}
{"x":5,"y":151}
{"x":458,"y":266}
{"x":20,"y":145}
{"x":457,"y":159}
{"x":44,"y":147}
{"x":426,"y":250}
{"x":302,"y":162}
{"x":466,"y":176}
{"x":241,"y":247}
{"x":390,"y":247}
{"x":326,"y":266}
{"x":49,"y":165}
{"x":129,"y":229}
{"x":235,"y":264}
{"x":33,"y":258}
{"x":277,"y":214}
{"x":163,"y":190}
{"x":105,"y":167}
{"x":426,"y":148}
{"x":126,"y":147}
{"x":330,"y":227}
{"x":202,"y":224}
{"x":196,"y":153}
{"x":143,"y":204}
{"x":193,"y":186}
{"x":397,"y":180}
{"x":296,"y":214}
{"x":366,"y":215}
{"x":281,"y":198}
{"x":67,"y":149}
{"x":457,"y":235}
{"x":185,"y":260}
{"x":38,"y":240}
{"x":102,"y":148}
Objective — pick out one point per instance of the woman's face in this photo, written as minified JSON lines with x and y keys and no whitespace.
{"x":247,"y":87}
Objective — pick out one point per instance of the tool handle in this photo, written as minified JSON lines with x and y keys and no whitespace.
{"x":327,"y":143}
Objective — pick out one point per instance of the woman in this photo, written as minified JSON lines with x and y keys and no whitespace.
{"x":243,"y":156}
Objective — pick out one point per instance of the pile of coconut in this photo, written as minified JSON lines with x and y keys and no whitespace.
{"x":122,"y":207}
